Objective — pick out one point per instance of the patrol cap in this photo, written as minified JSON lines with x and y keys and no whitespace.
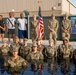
{"x":65,"y":39}
{"x":65,"y":15}
{"x":25,"y":39}
{"x":34,"y":15}
{"x":16,"y":37}
{"x":52,"y":15}
{"x":51,"y":40}
{"x":34,"y":43}
{"x":14,"y":49}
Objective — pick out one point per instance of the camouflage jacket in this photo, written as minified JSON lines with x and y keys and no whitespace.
{"x":41,"y":48}
{"x":34,"y":24}
{"x":65,"y":51}
{"x":53,"y":24}
{"x":4,"y":51}
{"x":66,"y":25}
{"x":35,"y":56}
{"x":24,"y":51}
{"x":15,"y":65}
{"x":50,"y":51}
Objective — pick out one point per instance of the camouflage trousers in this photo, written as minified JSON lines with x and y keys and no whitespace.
{"x":34,"y":36}
{"x":53,"y":35}
{"x":67,"y":34}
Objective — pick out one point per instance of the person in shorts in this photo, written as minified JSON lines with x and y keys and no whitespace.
{"x":2,"y":27}
{"x":22,"y":30}
{"x":11,"y":23}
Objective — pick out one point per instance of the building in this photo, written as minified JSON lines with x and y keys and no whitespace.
{"x":58,"y":7}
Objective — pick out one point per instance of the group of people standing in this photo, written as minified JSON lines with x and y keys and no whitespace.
{"x":15,"y":58}
{"x":53,"y":26}
{"x":10,"y":24}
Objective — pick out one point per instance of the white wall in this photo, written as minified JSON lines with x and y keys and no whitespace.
{"x":72,"y":9}
{"x":65,"y":5}
{"x":30,"y":5}
{"x":68,"y":7}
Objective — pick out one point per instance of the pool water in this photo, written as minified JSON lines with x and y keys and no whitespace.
{"x":63,"y":68}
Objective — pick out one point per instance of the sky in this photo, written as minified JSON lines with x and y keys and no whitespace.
{"x":73,"y":1}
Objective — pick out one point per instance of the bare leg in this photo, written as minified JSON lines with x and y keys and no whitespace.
{"x":2,"y":36}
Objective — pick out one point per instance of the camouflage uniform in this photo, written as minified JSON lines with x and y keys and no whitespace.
{"x":24,"y":51}
{"x":15,"y":66}
{"x":34,"y":30}
{"x":50,"y":52}
{"x":15,"y":44}
{"x":53,"y":25}
{"x":65,"y":51}
{"x":41,"y":48}
{"x":66,"y":28}
{"x":4,"y":53}
{"x":35,"y":56}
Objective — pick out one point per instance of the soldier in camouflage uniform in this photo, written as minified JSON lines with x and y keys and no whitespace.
{"x":16,"y":43}
{"x":65,"y":54}
{"x":50,"y":51}
{"x":25,"y":49}
{"x":4,"y":50}
{"x":66,"y":27}
{"x":4,"y":53}
{"x":53,"y":27}
{"x":65,"y":50}
{"x":15,"y":64}
{"x":35,"y":55}
{"x":34,"y":29}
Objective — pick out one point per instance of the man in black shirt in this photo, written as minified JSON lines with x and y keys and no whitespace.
{"x":2,"y":27}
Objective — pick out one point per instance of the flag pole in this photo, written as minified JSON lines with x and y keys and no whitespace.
{"x":40,"y":22}
{"x":38,"y":15}
{"x":39,"y":3}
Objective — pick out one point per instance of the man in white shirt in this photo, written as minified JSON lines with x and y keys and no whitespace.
{"x":11,"y":23}
{"x":22,"y":30}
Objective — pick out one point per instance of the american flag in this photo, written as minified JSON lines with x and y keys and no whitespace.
{"x":40,"y":25}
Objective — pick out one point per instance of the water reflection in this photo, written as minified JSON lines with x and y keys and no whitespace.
{"x":51,"y":67}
